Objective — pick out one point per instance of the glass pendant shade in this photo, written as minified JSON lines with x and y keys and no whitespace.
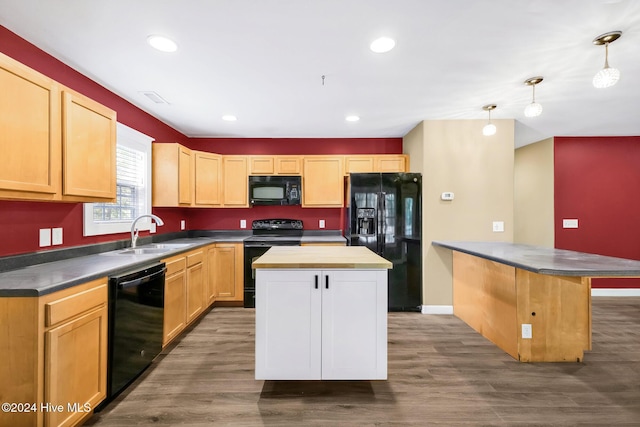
{"x":606,"y":77}
{"x":489,"y":129}
{"x":533,"y":110}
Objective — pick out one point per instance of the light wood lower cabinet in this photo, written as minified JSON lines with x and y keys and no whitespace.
{"x":54,"y":353}
{"x":195,"y":284}
{"x":226,"y":276}
{"x":175,"y":297}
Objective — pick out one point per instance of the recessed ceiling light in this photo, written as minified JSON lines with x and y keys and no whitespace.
{"x":382,"y":45}
{"x":229,"y":118}
{"x":352,"y":118}
{"x":162,"y":43}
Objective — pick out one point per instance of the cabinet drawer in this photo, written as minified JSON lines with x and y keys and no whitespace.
{"x":68,"y":307}
{"x":175,"y":265}
{"x":195,"y":258}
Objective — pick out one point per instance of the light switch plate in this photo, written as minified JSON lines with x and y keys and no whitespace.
{"x":569,"y":223}
{"x":183,"y":224}
{"x":526,"y":331}
{"x":498,"y":226}
{"x":56,"y":236}
{"x":45,"y":237}
{"x":447,"y":195}
{"x":243,"y":223}
{"x":321,"y":223}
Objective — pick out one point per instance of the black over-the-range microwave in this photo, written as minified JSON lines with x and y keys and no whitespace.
{"x":275,"y":190}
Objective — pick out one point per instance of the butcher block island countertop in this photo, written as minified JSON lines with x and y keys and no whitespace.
{"x":356,"y":257}
{"x":321,"y":313}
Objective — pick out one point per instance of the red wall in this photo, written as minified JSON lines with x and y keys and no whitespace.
{"x":597,"y":181}
{"x":20,"y":221}
{"x":277,"y":146}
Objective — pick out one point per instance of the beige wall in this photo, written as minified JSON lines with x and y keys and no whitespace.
{"x":456,"y":157}
{"x":533,"y":194}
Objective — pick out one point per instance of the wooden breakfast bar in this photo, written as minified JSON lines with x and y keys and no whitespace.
{"x":532,"y":302}
{"x":321,"y":314}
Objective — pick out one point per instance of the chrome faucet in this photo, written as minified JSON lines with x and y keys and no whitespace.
{"x":134,"y":230}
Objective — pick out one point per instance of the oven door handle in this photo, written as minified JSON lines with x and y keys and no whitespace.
{"x":144,"y":279}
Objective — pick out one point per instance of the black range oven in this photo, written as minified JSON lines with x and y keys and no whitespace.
{"x":266,"y":233}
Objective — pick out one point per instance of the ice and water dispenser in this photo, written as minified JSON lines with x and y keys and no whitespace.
{"x":366,"y":221}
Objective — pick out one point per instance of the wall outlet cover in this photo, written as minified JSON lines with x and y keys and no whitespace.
{"x":569,"y":223}
{"x":321,"y":223}
{"x":447,"y":195}
{"x":183,"y":224}
{"x":498,"y":226}
{"x":152,"y":227}
{"x":526,"y":331}
{"x":243,"y":223}
{"x":56,"y":236}
{"x":45,"y":237}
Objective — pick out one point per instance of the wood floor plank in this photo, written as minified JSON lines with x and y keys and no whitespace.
{"x":441,"y":373}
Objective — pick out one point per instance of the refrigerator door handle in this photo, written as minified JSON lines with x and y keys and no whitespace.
{"x":383,"y":222}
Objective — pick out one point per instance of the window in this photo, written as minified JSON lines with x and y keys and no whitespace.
{"x":133,"y":187}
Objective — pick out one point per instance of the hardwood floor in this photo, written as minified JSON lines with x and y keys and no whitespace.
{"x":441,"y":373}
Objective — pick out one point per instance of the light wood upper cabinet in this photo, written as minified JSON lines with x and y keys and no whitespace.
{"x":88,"y":148}
{"x":56,"y":144}
{"x":376,"y":163}
{"x":357,"y":164}
{"x":172,"y":175}
{"x":261,"y":165}
{"x":275,"y":165}
{"x":323,"y":181}
{"x":29,"y":132}
{"x":208,"y":179}
{"x":392,"y":163}
{"x":288,"y":165}
{"x":235,"y":181}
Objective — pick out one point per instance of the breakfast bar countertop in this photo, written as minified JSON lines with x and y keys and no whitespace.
{"x":321,"y":257}
{"x":545,"y":260}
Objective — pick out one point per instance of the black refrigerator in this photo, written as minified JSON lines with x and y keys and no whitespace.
{"x":385,"y":215}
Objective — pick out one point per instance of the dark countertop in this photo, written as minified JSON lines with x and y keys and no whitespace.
{"x":557,"y":262}
{"x":38,"y":274}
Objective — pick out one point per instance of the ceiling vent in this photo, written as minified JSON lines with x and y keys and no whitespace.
{"x":155,"y":97}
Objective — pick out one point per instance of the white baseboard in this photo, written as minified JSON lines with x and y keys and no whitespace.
{"x":437,"y":309}
{"x":615,"y":292}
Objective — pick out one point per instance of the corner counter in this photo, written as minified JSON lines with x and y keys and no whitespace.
{"x":532,"y":302}
{"x":321,"y":314}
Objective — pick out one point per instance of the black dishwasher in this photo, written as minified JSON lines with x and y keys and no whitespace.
{"x":136,"y":313}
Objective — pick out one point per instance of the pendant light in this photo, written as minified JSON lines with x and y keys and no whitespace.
{"x":489,"y":129}
{"x":607,"y":76}
{"x":534,"y":109}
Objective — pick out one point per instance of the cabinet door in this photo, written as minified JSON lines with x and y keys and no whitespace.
{"x":288,"y":165}
{"x":88,"y":148}
{"x":225,"y":272}
{"x":184,"y":176}
{"x":75,"y":367}
{"x":235,"y":181}
{"x":288,"y":325}
{"x":210,"y":286}
{"x":208,"y":168}
{"x":29,"y":132}
{"x":195,"y":291}
{"x":392,"y":163}
{"x":175,"y":294}
{"x":261,"y":165}
{"x":354,"y":325}
{"x":358,"y":164}
{"x":323,"y":182}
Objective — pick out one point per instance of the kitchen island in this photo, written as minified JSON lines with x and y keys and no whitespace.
{"x":321,"y":314}
{"x":532,"y":302}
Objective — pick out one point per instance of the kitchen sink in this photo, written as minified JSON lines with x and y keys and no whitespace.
{"x":151,"y":249}
{"x":144,"y":251}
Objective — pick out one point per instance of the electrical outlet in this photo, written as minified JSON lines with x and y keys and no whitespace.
{"x":152,"y":227}
{"x":243,"y":223}
{"x":526,"y":331}
{"x":321,"y":223}
{"x":498,"y":226}
{"x":56,"y":236}
{"x":45,"y":237}
{"x":183,"y":224}
{"x":569,"y":223}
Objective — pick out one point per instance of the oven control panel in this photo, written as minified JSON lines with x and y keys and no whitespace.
{"x":277,"y":224}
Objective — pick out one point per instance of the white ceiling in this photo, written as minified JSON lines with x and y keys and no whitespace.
{"x":262,"y":60}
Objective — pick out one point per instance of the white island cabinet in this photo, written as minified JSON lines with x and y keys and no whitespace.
{"x":321,"y":319}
